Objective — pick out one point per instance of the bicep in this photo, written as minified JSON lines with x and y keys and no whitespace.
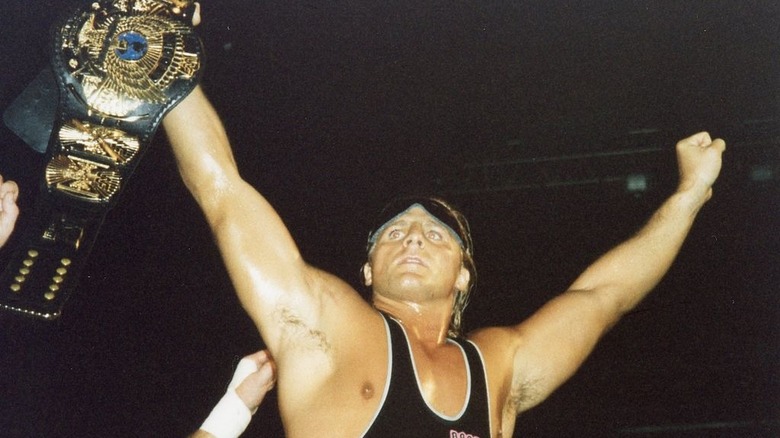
{"x":305,"y":316}
{"x":273,"y":282}
{"x":555,"y":341}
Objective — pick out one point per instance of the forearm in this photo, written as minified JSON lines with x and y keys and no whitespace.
{"x":612,"y":285}
{"x":608,"y":288}
{"x":628,"y":272}
{"x":201,"y":146}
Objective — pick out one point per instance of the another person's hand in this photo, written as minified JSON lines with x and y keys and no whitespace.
{"x":699,"y":162}
{"x":196,"y":14}
{"x":255,"y":375}
{"x":9,"y":211}
{"x":260,"y":380}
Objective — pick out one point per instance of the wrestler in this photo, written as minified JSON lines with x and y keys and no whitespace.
{"x":343,"y":365}
{"x":9,"y":211}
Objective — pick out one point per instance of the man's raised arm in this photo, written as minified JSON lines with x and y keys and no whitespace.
{"x":259,"y":253}
{"x":555,"y":341}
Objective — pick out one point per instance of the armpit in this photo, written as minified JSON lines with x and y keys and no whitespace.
{"x":297,"y":334}
{"x":523,"y":395}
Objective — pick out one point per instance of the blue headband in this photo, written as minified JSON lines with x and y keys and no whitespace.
{"x":431,"y":206}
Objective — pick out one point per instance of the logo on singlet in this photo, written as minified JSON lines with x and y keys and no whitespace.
{"x":456,"y":434}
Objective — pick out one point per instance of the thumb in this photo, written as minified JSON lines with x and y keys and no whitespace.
{"x":719,"y":145}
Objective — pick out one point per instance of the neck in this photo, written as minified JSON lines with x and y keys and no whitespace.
{"x":427,"y":323}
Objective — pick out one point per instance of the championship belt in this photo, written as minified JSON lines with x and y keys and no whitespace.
{"x":118,"y":67}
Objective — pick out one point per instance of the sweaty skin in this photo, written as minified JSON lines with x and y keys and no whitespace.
{"x":330,"y":345}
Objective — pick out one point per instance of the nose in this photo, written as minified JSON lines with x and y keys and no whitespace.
{"x":415,"y":236}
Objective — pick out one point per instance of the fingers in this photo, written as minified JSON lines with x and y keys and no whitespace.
{"x":196,"y":14}
{"x":9,"y":212}
{"x":266,"y":368}
{"x":703,"y":140}
{"x":718,"y":144}
{"x":698,"y":139}
{"x":8,"y":187}
{"x":267,"y":376}
{"x":260,"y":357}
{"x":8,"y":205}
{"x":259,"y":363}
{"x":186,"y":9}
{"x":699,"y":160}
{"x":251,"y":388}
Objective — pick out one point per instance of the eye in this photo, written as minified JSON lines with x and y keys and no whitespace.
{"x":434,"y":235}
{"x":394,"y":233}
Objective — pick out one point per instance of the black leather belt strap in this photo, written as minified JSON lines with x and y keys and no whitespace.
{"x":119,"y":67}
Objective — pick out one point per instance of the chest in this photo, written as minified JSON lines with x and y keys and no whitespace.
{"x":442,"y":377}
{"x":432,"y":391}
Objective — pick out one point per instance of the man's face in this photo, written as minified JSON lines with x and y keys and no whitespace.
{"x":416,"y":258}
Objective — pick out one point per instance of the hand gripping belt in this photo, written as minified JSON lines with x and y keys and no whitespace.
{"x":118,"y":67}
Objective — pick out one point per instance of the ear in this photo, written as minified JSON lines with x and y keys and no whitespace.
{"x":462,"y":282}
{"x":367,"y":275}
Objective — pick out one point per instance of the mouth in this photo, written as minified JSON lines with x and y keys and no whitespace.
{"x":411,"y":260}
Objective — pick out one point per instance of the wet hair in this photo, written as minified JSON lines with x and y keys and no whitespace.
{"x":456,"y":223}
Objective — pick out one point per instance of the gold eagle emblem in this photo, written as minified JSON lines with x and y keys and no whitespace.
{"x":123,"y":61}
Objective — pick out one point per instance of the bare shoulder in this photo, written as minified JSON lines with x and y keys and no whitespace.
{"x":329,"y":318}
{"x":341,"y":355}
{"x":336,"y":327}
{"x":494,"y":338}
{"x":500,"y":348}
{"x":341,"y":307}
{"x":335,"y":291}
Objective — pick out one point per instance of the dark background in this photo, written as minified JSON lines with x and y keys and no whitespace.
{"x":530,"y":116}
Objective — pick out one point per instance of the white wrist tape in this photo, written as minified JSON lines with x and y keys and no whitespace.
{"x":244,"y":368}
{"x":229,"y":418}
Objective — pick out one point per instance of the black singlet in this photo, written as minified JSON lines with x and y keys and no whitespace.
{"x":404,"y":412}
